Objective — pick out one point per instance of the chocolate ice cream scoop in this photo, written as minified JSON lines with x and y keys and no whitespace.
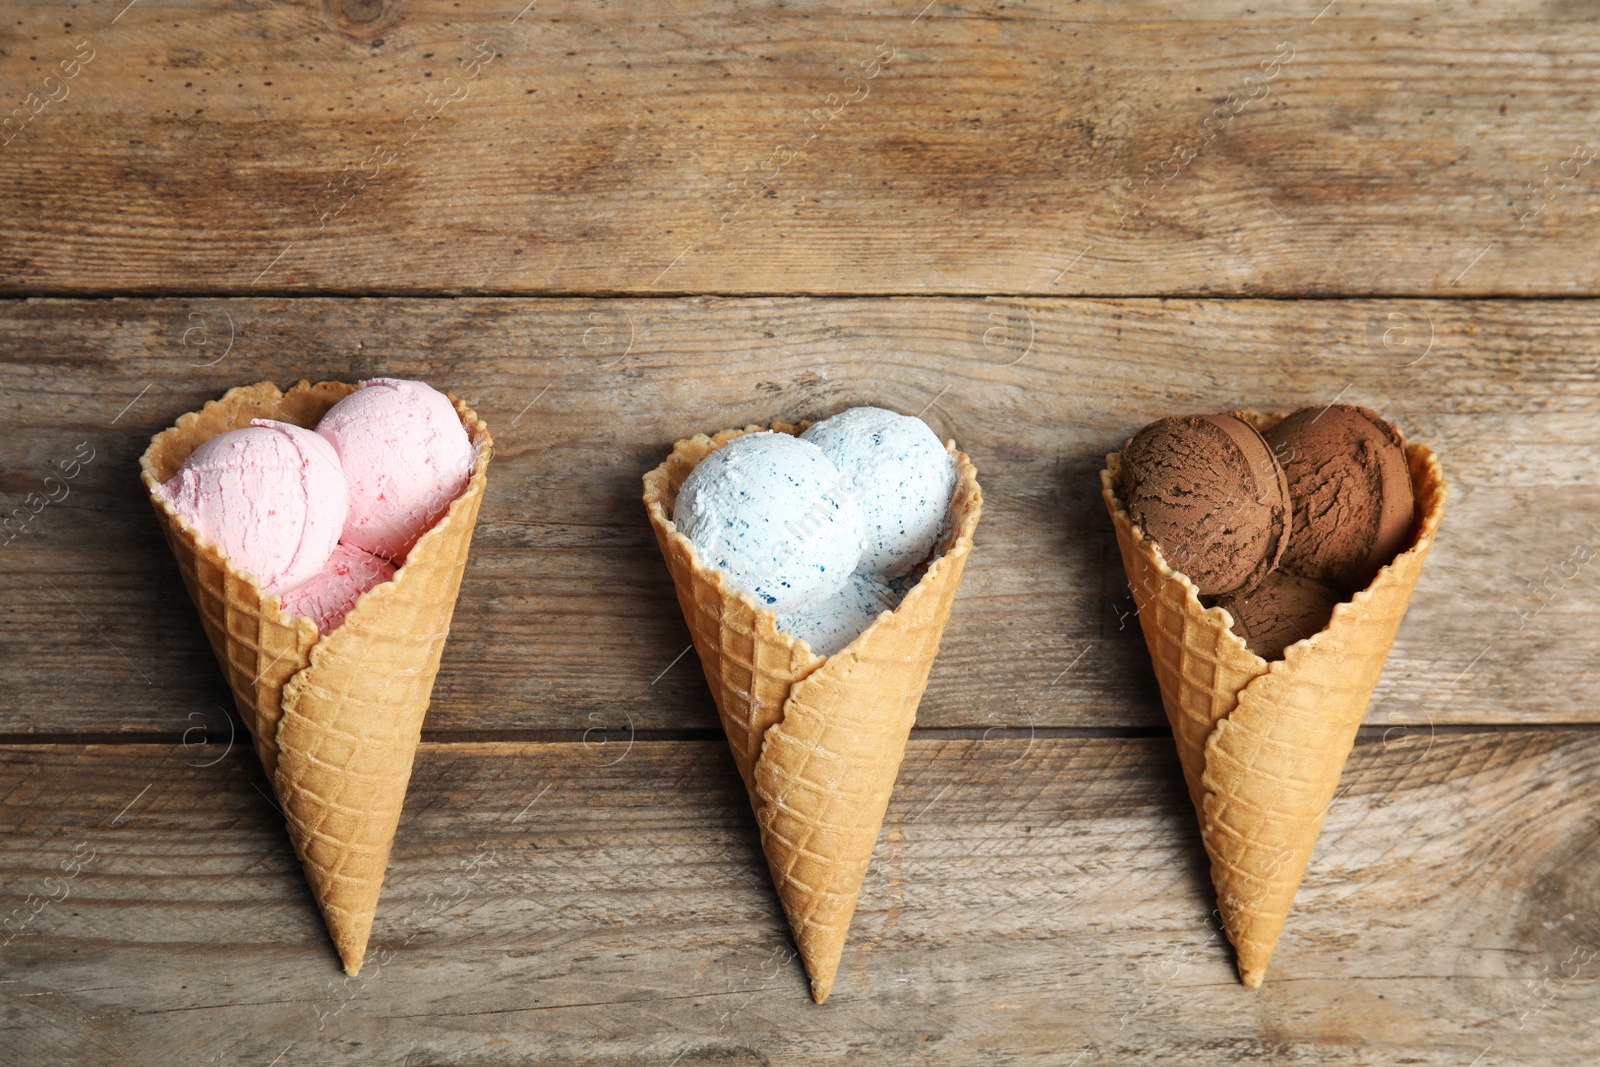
{"x":1208,"y":491}
{"x":1280,"y":611}
{"x":1352,"y":494}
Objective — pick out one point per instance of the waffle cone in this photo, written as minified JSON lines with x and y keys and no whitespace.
{"x":335,"y":719}
{"x":818,"y":741}
{"x":1263,"y":745}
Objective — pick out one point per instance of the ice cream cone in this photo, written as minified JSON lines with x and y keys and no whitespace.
{"x":818,"y":741}
{"x":335,"y":719}
{"x":1263,"y":745}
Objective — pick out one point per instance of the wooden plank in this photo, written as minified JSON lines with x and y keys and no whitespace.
{"x":566,"y":147}
{"x":1028,"y":903}
{"x":567,"y":619}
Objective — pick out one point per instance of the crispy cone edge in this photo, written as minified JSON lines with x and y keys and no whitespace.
{"x":1263,"y":744}
{"x":335,"y":719}
{"x":818,"y":741}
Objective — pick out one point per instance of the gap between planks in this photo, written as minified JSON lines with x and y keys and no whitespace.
{"x":301,"y":293}
{"x":596,"y":735}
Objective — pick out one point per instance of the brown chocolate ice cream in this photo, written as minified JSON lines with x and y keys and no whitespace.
{"x":1280,"y":611}
{"x":1208,"y":491}
{"x":1352,"y":494}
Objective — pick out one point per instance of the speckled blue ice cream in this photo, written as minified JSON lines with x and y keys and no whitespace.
{"x":767,"y":510}
{"x":895,"y":466}
{"x":833,"y":623}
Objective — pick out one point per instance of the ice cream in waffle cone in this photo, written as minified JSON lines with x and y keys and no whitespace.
{"x":335,"y":719}
{"x":1263,"y":744}
{"x":817,"y":740}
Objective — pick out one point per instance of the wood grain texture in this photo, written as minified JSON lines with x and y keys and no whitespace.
{"x":700,"y":146}
{"x":1027,"y":902}
{"x":567,"y":618}
{"x":1034,"y":897}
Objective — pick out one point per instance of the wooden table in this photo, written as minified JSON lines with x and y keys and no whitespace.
{"x":612,"y":225}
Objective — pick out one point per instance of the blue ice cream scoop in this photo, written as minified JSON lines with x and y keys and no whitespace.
{"x":769,"y":510}
{"x":830,"y":624}
{"x":899,"y":472}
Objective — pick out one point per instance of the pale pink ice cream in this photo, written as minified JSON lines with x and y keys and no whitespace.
{"x":328,"y":597}
{"x":271,"y":497}
{"x":406,"y":457}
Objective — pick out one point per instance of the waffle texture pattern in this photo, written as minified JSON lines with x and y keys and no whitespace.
{"x":1263,"y":745}
{"x":335,"y":720}
{"x":818,"y":741}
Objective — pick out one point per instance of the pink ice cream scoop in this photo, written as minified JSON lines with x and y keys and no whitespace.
{"x":328,"y":598}
{"x":270,"y":496}
{"x":406,"y":457}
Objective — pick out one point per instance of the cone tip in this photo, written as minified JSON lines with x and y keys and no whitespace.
{"x":1251,"y":976}
{"x":820,"y":988}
